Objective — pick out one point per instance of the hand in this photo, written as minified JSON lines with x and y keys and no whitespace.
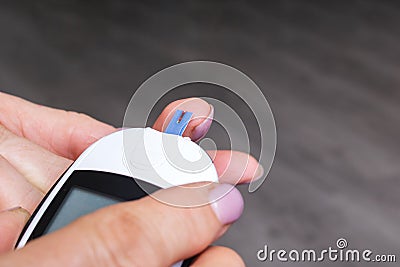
{"x":38,"y":143}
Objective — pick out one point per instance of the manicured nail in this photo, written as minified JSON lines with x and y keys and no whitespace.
{"x":227,"y":203}
{"x":201,"y":130}
{"x":259,"y":172}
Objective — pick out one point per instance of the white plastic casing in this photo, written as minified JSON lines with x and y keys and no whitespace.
{"x":142,"y":154}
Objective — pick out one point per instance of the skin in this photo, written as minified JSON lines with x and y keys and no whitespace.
{"x":38,"y":143}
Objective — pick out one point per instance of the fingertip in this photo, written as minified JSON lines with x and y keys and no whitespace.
{"x":227,"y":203}
{"x":236,"y":167}
{"x":219,"y":256}
{"x":199,"y":123}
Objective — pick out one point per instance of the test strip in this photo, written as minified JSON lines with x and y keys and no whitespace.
{"x":179,"y":122}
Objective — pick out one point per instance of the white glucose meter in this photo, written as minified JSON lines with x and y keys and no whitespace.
{"x":107,"y":171}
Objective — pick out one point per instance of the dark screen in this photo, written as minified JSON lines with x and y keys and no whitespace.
{"x":77,"y":203}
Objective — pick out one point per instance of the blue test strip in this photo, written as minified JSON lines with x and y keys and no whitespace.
{"x":178,"y":122}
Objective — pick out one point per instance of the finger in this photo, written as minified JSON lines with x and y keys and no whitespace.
{"x":218,"y":256}
{"x":15,"y":190}
{"x":11,"y":223}
{"x":235,"y":167}
{"x":139,"y":233}
{"x":62,"y":132}
{"x":38,"y":165}
{"x":200,"y":122}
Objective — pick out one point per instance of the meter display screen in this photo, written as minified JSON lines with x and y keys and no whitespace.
{"x":78,"y":202}
{"x":82,"y":193}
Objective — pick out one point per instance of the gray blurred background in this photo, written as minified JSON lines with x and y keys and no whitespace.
{"x":330,"y":70}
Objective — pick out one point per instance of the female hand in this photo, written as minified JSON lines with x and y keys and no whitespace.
{"x":37,"y":144}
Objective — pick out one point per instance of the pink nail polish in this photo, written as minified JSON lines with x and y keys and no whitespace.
{"x":201,"y":130}
{"x":227,"y":203}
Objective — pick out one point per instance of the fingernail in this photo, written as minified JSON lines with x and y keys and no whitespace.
{"x":259,"y":172}
{"x":227,"y":203}
{"x":20,"y":210}
{"x":201,"y":130}
{"x":13,"y":209}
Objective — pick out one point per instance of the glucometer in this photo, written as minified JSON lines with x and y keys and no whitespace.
{"x":121,"y":167}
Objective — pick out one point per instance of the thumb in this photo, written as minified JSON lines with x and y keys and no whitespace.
{"x":145,"y":232}
{"x":11,"y":223}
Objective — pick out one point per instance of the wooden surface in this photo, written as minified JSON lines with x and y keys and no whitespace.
{"x":329,"y":70}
